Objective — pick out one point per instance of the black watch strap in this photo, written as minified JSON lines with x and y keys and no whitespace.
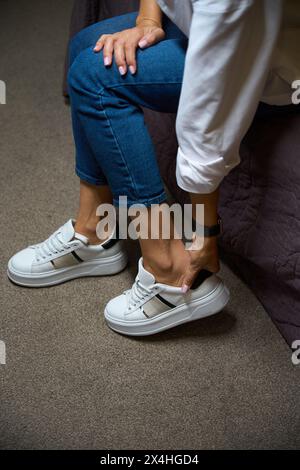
{"x":209,"y":230}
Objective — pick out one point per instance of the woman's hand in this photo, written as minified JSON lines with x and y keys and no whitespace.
{"x":123,"y":45}
{"x":203,"y":252}
{"x":204,"y":258}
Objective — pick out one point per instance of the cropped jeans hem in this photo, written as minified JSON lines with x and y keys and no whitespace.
{"x":145,"y":202}
{"x":90,"y":179}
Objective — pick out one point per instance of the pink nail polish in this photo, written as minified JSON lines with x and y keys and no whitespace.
{"x":132,"y":69}
{"x":184,"y":289}
{"x":106,"y":61}
{"x":122,"y":70}
{"x":143,"y":43}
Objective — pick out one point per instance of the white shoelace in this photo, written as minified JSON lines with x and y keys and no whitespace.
{"x":137,"y":294}
{"x":53,"y":245}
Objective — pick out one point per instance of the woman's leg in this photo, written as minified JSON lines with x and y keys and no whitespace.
{"x":93,"y":186}
{"x":90,"y":198}
{"x":109,"y":129}
{"x":94,"y":189}
{"x":107,"y":109}
{"x":165,"y":258}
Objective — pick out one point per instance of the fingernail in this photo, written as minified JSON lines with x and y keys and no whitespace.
{"x":122,"y":70}
{"x":184,"y":289}
{"x":132,"y":69}
{"x":143,"y":43}
{"x":106,"y":61}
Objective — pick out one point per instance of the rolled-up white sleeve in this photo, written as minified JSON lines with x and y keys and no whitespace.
{"x":230,"y":50}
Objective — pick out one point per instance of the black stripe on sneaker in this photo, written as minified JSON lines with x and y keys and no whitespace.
{"x":110,"y":243}
{"x":76,"y":256}
{"x":201,"y":277}
{"x":164,"y":301}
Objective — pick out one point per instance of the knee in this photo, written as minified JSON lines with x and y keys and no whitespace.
{"x":73,"y":49}
{"x":85,"y":38}
{"x":79,"y":69}
{"x":87,"y":72}
{"x":81,"y":41}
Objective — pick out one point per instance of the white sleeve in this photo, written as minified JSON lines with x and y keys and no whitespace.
{"x":227,"y":63}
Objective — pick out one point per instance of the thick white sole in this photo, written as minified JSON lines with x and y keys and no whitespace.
{"x":100,"y":267}
{"x":206,"y":306}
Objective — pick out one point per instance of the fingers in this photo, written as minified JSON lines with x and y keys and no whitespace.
{"x":143,"y":43}
{"x":188,"y":279}
{"x":119,"y":51}
{"x":151,"y":38}
{"x":99,"y":44}
{"x":123,"y":51}
{"x":123,"y":46}
{"x":205,"y":258}
{"x":108,"y":50}
{"x":130,"y":53}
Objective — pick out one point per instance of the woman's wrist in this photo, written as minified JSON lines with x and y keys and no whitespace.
{"x":147,"y":21}
{"x":210,"y":208}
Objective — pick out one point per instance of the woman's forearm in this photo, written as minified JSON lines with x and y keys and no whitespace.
{"x":149,"y":13}
{"x":210,"y":203}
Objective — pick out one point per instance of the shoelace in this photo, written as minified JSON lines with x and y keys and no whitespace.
{"x":53,"y":245}
{"x":137,"y":294}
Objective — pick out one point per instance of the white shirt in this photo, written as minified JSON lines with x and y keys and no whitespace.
{"x":240,"y":52}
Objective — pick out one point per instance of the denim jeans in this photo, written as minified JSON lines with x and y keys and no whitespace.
{"x":113,"y":145}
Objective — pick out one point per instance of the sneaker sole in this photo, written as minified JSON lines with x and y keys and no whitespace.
{"x":101,"y":267}
{"x":208,"y":305}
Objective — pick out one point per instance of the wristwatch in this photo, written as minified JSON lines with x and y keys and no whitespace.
{"x":208,"y":230}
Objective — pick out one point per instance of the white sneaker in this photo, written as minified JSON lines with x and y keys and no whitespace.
{"x":149,"y":307}
{"x":63,"y":256}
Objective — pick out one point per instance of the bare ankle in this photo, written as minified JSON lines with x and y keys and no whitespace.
{"x":88,"y":229}
{"x":167,"y":270}
{"x":171,"y":276}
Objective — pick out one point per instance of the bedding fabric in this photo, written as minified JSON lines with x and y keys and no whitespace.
{"x":260,"y":208}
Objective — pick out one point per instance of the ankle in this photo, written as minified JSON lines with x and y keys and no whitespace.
{"x":167,"y":270}
{"x":88,"y":229}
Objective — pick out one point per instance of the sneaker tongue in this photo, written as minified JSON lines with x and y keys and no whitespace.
{"x":146,"y":279}
{"x":82,"y":238}
{"x":68,"y":231}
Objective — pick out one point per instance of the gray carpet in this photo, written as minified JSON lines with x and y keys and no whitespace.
{"x":70,"y":382}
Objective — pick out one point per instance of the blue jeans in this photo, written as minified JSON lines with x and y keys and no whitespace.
{"x":113,"y":145}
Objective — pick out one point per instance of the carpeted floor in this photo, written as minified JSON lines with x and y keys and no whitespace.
{"x":69,"y":382}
